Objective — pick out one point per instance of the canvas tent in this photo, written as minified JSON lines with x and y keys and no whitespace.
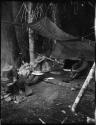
{"x":72,"y":50}
{"x":67,"y":46}
{"x":47,"y":28}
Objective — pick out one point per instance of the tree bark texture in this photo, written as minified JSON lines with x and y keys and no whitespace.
{"x":31,"y":38}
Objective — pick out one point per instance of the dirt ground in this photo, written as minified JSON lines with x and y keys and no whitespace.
{"x":51,"y":103}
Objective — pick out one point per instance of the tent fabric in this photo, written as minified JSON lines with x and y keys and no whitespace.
{"x":72,"y":50}
{"x":67,"y":46}
{"x":47,"y":28}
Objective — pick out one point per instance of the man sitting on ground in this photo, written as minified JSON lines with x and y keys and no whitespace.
{"x":79,"y":68}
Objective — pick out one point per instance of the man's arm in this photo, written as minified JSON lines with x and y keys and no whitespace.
{"x":82,"y":67}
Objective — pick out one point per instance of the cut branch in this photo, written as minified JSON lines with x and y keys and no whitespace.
{"x":86,"y":83}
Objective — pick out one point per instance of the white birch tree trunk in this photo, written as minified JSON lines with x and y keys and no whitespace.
{"x":31,"y":39}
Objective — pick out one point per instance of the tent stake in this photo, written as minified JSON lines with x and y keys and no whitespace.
{"x":81,"y":93}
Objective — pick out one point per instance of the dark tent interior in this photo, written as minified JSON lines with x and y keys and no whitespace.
{"x":48,"y":62}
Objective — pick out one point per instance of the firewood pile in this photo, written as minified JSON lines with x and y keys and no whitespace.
{"x":26,"y":75}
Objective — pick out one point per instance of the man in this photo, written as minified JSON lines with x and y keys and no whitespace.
{"x":79,"y":68}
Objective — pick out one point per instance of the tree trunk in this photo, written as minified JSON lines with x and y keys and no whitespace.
{"x":22,"y":37}
{"x":31,"y":39}
{"x":54,"y":16}
{"x":8,"y":39}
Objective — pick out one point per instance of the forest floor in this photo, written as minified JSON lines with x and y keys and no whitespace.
{"x":51,"y":103}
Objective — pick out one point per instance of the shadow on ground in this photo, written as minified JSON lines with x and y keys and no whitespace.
{"x":51,"y":103}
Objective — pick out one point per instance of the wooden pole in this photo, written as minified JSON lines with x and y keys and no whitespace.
{"x":81,"y":93}
{"x":31,"y":39}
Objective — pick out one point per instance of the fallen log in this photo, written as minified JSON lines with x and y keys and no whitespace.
{"x":81,"y":93}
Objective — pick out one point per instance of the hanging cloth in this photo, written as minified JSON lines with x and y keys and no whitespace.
{"x":47,"y":28}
